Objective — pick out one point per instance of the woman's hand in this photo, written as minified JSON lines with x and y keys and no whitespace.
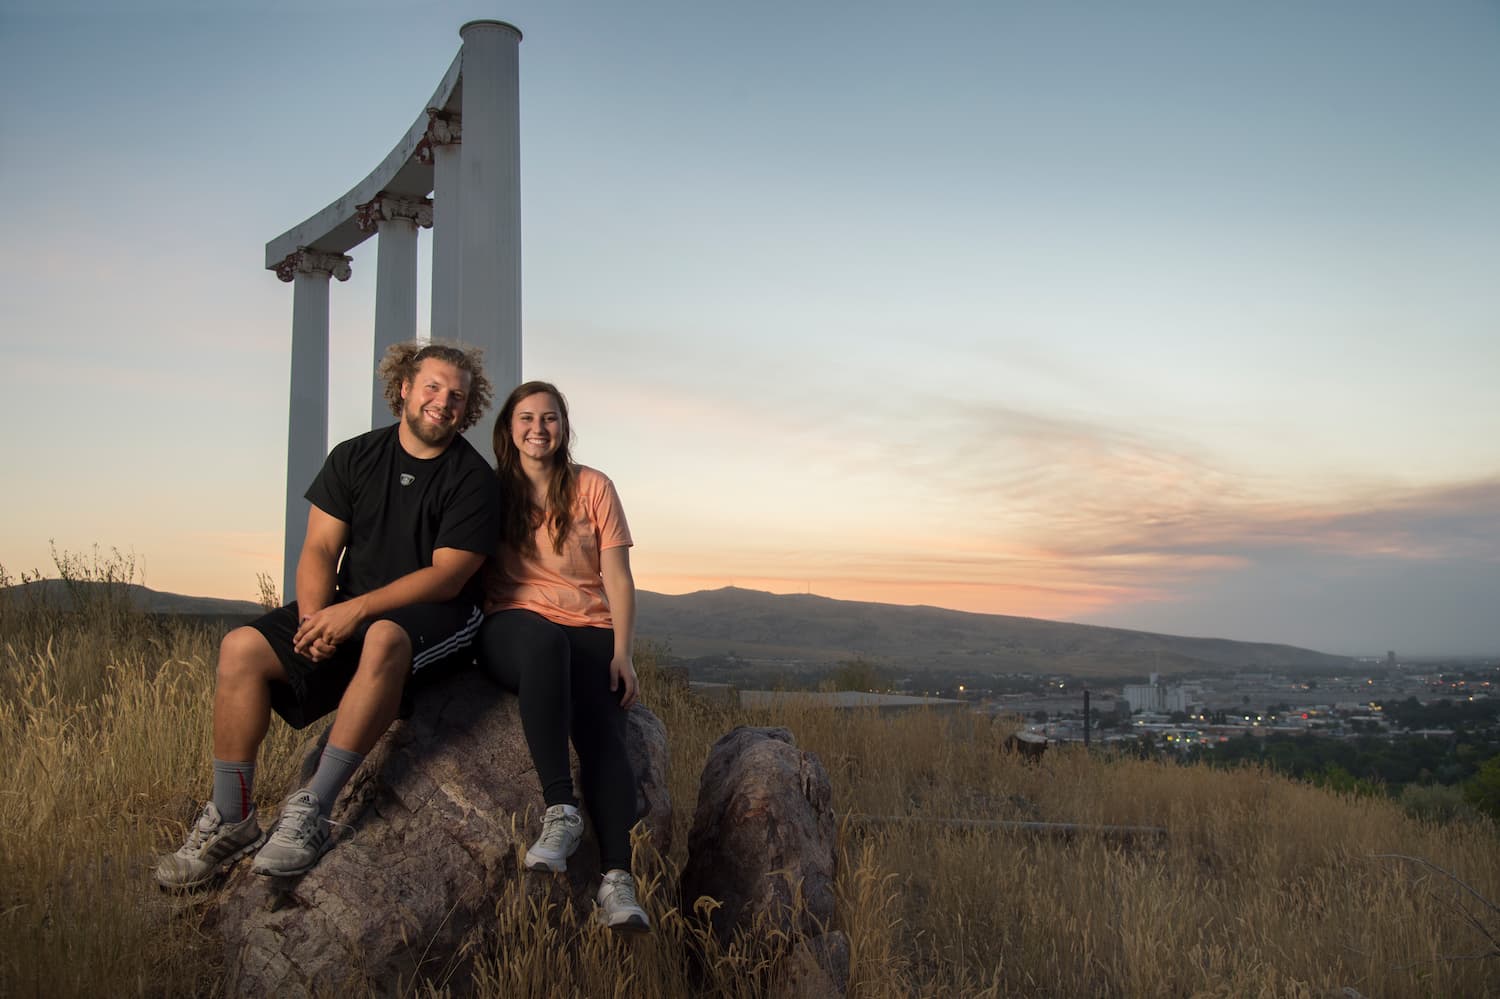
{"x":622,"y":671}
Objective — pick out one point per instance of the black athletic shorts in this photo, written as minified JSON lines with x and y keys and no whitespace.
{"x":442,"y":637}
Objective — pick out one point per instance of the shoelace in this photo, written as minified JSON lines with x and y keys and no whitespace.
{"x":297,"y":825}
{"x":554,"y":831}
{"x":197,"y":837}
{"x":624,"y":891}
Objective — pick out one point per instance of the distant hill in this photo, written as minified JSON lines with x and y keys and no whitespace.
{"x":819,"y":631}
{"x":756,"y":625}
{"x":58,"y":593}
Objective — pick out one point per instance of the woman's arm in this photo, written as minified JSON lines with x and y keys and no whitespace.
{"x":619,"y":590}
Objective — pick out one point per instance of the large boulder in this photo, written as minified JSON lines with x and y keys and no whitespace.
{"x":432,"y":827}
{"x":763,"y":831}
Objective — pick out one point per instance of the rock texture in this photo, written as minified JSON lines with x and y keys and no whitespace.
{"x":435,"y":820}
{"x":763,"y":828}
{"x":646,"y":742}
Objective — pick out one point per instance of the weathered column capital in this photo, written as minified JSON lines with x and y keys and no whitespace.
{"x":306,"y":261}
{"x":388,"y":207}
{"x":444,"y":128}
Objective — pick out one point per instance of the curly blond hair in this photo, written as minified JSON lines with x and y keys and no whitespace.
{"x":399,"y":366}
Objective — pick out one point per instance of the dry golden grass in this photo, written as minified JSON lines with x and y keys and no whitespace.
{"x":1262,"y":887}
{"x":104,"y":730}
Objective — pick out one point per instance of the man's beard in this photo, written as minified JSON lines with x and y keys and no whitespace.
{"x":427,"y":433}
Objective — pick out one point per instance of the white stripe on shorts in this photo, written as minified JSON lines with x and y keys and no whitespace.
{"x":456,"y":642}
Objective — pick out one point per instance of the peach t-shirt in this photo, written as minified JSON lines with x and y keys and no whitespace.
{"x":564,"y":588}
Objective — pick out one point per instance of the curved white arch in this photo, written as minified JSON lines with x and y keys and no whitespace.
{"x":334,"y":230}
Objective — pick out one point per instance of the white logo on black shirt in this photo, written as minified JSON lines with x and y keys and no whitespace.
{"x":407,"y":478}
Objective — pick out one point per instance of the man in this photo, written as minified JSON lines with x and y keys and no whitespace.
{"x":401,"y":519}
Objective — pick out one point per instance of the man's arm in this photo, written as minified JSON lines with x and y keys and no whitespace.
{"x":619,"y":590}
{"x":318,"y":565}
{"x":443,"y":580}
{"x":317,"y":574}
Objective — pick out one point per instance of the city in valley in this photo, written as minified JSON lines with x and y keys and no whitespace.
{"x":1205,"y":712}
{"x":1451,"y":708}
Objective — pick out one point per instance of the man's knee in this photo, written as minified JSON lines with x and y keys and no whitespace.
{"x":386,"y":652}
{"x":245,"y":654}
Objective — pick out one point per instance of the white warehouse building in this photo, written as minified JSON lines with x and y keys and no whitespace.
{"x":1156,"y":697}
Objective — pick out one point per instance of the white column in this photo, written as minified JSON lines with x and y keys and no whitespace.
{"x":307,"y":414}
{"x":441,"y":149}
{"x":489,"y":313}
{"x":395,"y":221}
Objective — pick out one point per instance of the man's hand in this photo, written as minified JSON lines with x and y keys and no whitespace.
{"x":622,"y":671}
{"x":321,"y":631}
{"x":320,"y":650}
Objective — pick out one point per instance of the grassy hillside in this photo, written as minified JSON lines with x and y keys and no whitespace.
{"x":753,"y":624}
{"x":1262,"y":887}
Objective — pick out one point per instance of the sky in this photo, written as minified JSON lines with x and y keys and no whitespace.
{"x":1173,"y":316}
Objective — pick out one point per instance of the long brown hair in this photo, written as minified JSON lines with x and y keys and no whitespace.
{"x":519,"y":515}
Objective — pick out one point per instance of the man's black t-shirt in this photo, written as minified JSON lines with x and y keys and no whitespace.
{"x":399,"y":508}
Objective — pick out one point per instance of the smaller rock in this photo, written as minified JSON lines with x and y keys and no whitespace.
{"x":763,"y":834}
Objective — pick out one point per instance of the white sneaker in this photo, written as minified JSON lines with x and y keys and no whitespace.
{"x":300,"y":837}
{"x":212,"y":847}
{"x":562,"y":828}
{"x":618,"y":908}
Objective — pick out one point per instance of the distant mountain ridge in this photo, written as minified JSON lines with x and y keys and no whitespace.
{"x":59,"y":593}
{"x":755,"y":624}
{"x":814,"y":630}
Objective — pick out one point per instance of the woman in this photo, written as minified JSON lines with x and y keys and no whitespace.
{"x":559,"y":625}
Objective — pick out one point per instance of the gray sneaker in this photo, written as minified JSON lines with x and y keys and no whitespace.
{"x":212,"y":847}
{"x":298,"y":839}
{"x":618,"y":908}
{"x":562,"y":828}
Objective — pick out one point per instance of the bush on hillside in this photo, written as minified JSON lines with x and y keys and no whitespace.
{"x":1482,"y":792}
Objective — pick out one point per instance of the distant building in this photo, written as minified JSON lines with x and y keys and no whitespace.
{"x":1146,"y":698}
{"x":1177,"y":699}
{"x":1156,"y":697}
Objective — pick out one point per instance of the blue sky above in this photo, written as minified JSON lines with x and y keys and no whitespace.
{"x":1177,"y":316}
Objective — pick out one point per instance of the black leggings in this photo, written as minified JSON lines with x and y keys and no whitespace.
{"x":561,"y":675}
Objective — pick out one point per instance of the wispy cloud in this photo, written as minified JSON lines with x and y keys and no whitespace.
{"x":1008,"y":509}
